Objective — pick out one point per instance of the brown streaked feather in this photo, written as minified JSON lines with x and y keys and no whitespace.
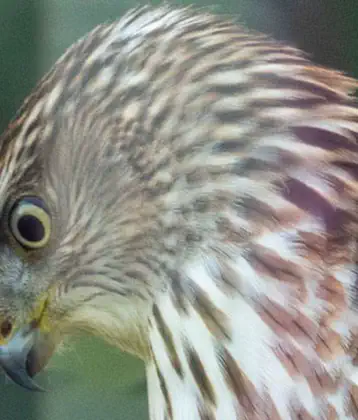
{"x":210,"y":174}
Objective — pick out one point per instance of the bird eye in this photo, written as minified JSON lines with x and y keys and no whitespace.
{"x":30,"y":222}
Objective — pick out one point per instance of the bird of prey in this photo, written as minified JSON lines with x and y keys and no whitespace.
{"x":186,"y":189}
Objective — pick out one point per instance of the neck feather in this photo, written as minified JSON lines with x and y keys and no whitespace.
{"x":220,"y":353}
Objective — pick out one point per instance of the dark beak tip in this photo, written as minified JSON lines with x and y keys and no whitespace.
{"x":21,"y":377}
{"x":20,"y":361}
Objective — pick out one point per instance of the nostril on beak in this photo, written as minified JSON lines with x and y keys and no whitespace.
{"x":6,"y":328}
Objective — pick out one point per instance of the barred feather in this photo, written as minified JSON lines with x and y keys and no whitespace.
{"x":216,"y":182}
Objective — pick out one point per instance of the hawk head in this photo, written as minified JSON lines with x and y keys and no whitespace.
{"x":187,"y":191}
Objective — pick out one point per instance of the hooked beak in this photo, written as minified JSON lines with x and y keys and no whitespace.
{"x":25,"y":354}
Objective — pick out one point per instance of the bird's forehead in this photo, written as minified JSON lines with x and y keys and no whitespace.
{"x":89,"y":79}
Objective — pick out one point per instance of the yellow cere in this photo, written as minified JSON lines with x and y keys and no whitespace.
{"x":39,"y":315}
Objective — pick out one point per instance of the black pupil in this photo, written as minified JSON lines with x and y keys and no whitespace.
{"x":30,"y":228}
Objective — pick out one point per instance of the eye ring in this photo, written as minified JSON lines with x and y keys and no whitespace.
{"x":30,"y":222}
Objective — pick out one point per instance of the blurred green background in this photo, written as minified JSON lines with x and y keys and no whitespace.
{"x":93,"y":381}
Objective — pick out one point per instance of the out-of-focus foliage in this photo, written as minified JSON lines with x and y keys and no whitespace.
{"x":19,"y":23}
{"x":93,"y":381}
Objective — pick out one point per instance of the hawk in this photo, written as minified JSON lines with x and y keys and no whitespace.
{"x":186,"y":189}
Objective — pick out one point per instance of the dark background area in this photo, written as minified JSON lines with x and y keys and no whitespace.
{"x":92,"y":381}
